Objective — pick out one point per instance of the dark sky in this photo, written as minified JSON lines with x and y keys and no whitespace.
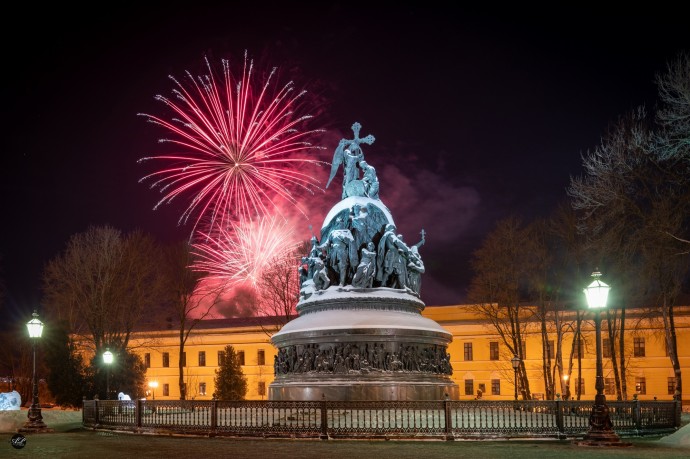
{"x":476,"y":116}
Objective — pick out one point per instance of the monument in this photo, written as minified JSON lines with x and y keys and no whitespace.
{"x":359,"y":334}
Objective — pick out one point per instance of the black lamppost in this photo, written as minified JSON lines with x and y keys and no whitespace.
{"x":108,"y":360}
{"x":566,"y":387}
{"x":153,"y":385}
{"x":515,"y":361}
{"x":601,"y":431}
{"x":35,"y":418}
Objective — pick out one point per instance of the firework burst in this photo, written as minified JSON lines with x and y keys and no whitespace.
{"x":240,"y":145}
{"x":239,"y":254}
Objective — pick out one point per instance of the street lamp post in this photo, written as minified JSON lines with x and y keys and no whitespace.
{"x":108,"y":360}
{"x":601,"y":431}
{"x":566,"y":387}
{"x":515,"y":361}
{"x":35,"y":418}
{"x":153,"y":385}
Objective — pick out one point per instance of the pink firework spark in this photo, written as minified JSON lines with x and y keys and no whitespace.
{"x":239,"y":146}
{"x":241,"y":253}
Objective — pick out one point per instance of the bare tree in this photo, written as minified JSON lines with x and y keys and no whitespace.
{"x":189,"y":297}
{"x":278,"y":288}
{"x":102,"y":284}
{"x":501,"y":267}
{"x":635,"y":203}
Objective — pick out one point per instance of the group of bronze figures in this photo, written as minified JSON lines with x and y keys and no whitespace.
{"x":360,"y":246}
{"x":346,"y":358}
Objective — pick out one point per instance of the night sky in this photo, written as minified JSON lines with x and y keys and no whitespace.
{"x":476,"y":116}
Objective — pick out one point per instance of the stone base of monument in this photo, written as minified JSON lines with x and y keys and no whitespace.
{"x":362,"y":344}
{"x":362,"y":388}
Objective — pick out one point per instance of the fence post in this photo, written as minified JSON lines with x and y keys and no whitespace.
{"x":324,"y":419}
{"x":214,"y":416}
{"x":559,"y":416}
{"x":96,"y":411}
{"x":637,"y":413}
{"x":448,"y":419}
{"x":137,"y":414}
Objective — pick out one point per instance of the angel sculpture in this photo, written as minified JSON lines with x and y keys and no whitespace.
{"x":349,"y":154}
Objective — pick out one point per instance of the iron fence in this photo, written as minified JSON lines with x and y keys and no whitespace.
{"x":433,"y":420}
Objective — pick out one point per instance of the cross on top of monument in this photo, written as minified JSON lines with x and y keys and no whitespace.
{"x":349,"y":153}
{"x":356,"y":128}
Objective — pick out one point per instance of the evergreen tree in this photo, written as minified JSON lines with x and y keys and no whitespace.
{"x":66,"y":378}
{"x":231,"y":384}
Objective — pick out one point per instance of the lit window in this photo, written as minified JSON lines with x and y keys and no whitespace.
{"x":671,"y":386}
{"x":469,"y":387}
{"x":202,"y":388}
{"x":641,"y":386}
{"x":606,"y":348}
{"x":495,"y":387}
{"x":493,"y":350}
{"x":468,"y":351}
{"x":638,"y":347}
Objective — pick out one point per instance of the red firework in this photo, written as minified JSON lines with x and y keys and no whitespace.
{"x":239,"y":147}
{"x":241,"y":253}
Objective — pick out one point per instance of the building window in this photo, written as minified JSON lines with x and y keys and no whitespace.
{"x":468,"y":351}
{"x":166,"y":390}
{"x":638,"y":347}
{"x":221,"y":358}
{"x":262,"y":388}
{"x":671,"y":386}
{"x":469,"y":387}
{"x":147,"y":360}
{"x":581,"y":384}
{"x":202,"y":358}
{"x":184,"y":359}
{"x":493,"y":350}
{"x":606,"y":348}
{"x":260,"y":357}
{"x":240,"y":357}
{"x":609,"y":386}
{"x":641,"y":386}
{"x":495,"y":387}
{"x":166,"y":359}
{"x":549,"y":349}
{"x":202,"y":388}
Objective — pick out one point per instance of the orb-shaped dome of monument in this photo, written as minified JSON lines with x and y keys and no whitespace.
{"x":376,"y":212}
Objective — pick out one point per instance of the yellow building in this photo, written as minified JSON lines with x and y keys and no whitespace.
{"x":480,"y":360}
